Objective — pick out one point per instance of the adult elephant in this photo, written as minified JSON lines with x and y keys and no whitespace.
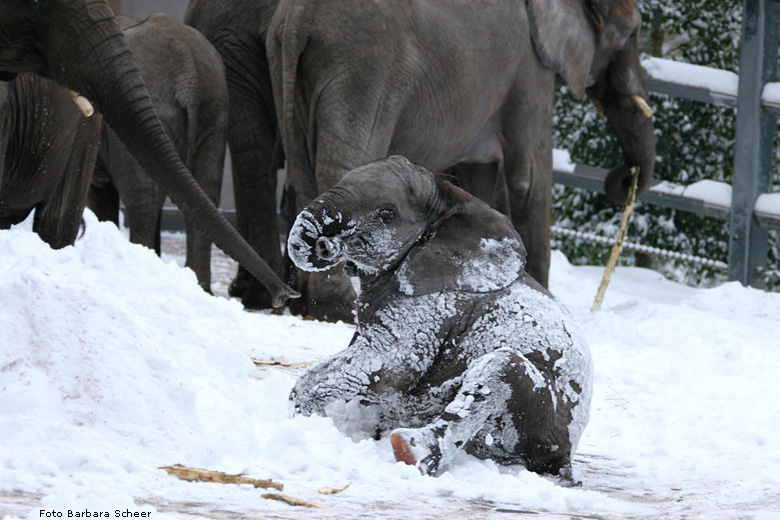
{"x":78,"y":44}
{"x":455,"y":82}
{"x":186,"y":80}
{"x":237,"y":29}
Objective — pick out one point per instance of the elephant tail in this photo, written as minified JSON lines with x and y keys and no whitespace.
{"x":286,"y":43}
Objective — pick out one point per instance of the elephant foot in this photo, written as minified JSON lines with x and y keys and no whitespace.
{"x":566,"y":477}
{"x":256,"y":297}
{"x":252,"y":293}
{"x":240,"y":283}
{"x":418,"y":448}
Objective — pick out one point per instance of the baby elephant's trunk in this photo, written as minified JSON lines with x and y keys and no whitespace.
{"x":314,"y":243}
{"x":328,"y":248}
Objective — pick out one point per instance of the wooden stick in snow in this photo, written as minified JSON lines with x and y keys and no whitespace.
{"x":205,"y":475}
{"x":285,"y":364}
{"x":287,"y":499}
{"x":332,"y":490}
{"x":618,"y":247}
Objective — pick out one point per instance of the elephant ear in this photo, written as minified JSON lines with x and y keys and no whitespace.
{"x":565,"y":38}
{"x":471,"y":248}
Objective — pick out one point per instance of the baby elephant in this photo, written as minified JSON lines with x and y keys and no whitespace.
{"x":456,"y":347}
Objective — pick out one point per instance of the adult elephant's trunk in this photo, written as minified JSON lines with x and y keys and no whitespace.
{"x":623,"y":97}
{"x":88,"y":53}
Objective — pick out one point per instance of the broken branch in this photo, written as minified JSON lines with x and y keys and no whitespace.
{"x":332,"y":490}
{"x":285,"y":364}
{"x":204,"y":475}
{"x":618,"y":247}
{"x":292,"y":500}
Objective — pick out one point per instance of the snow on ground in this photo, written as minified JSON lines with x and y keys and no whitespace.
{"x":114,"y":363}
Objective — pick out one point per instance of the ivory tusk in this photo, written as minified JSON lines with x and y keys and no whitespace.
{"x":83,"y":103}
{"x":643,"y":106}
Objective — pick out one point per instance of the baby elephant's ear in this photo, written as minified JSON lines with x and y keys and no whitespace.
{"x":472,"y":248}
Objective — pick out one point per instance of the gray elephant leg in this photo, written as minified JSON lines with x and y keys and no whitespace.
{"x":206,"y":162}
{"x":143,"y":198}
{"x":199,"y":256}
{"x":198,"y":245}
{"x":527,"y":173}
{"x":530,"y":209}
{"x":143,"y":206}
{"x":143,"y":203}
{"x":504,"y":411}
{"x":252,"y":136}
{"x":484,"y":182}
{"x":103,"y":197}
{"x":328,"y":296}
{"x":144,"y":221}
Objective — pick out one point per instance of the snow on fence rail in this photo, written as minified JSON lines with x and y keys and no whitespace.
{"x":695,"y":82}
{"x":708,"y":198}
{"x":705,"y":84}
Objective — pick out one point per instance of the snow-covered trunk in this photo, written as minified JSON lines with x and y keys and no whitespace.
{"x":314,"y":242}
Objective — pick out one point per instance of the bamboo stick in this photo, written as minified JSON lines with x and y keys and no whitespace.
{"x":205,"y":475}
{"x":287,"y":499}
{"x":618,"y":247}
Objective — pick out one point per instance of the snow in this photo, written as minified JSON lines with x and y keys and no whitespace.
{"x":769,"y":203}
{"x":494,"y":267}
{"x":562,"y":161}
{"x":114,"y":363}
{"x":771,"y":94}
{"x":708,"y":191}
{"x":718,"y":82}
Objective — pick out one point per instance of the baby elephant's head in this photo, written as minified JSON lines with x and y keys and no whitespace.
{"x":394,"y":216}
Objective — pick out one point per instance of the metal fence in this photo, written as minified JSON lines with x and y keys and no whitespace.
{"x":752,"y":210}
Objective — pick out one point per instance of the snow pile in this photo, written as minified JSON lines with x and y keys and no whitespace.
{"x":114,"y":363}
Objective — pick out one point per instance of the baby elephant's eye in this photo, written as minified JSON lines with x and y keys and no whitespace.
{"x":385,"y":214}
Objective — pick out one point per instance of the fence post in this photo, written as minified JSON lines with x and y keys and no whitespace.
{"x":754,"y":140}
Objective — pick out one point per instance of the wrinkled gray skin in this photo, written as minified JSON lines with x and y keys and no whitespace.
{"x":78,"y":44}
{"x":237,"y":29}
{"x":186,"y":80}
{"x":48,"y":149}
{"x":455,"y":83}
{"x":456,"y":347}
